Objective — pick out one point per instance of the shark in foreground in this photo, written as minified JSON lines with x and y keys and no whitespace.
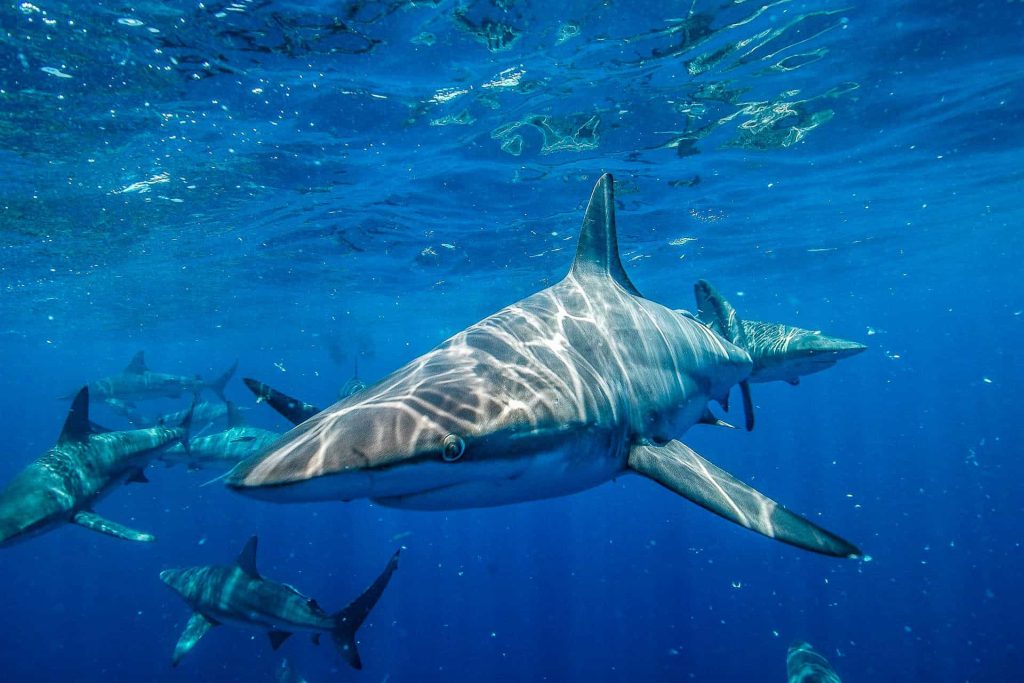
{"x":85,"y":465}
{"x":138,"y":383}
{"x":238,"y":594}
{"x":557,"y":393}
{"x":805,"y":665}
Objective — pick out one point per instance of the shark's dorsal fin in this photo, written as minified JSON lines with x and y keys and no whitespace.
{"x":138,"y":364}
{"x":247,"y":559}
{"x":597,"y":255}
{"x":77,"y":426}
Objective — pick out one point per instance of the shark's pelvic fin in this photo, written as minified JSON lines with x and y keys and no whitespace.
{"x":138,"y":364}
{"x":77,"y":426}
{"x":197,"y":627}
{"x":348,"y":620}
{"x":247,"y":558}
{"x":678,"y":468}
{"x":90,"y":520}
{"x":277,"y":638}
{"x":597,"y":254}
{"x":137,"y":477}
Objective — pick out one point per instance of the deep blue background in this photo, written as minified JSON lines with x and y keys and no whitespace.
{"x":306,"y":224}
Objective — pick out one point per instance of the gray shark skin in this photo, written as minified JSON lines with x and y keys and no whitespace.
{"x":779,"y":352}
{"x":237,"y":594}
{"x":559,"y":392}
{"x":222,"y":450}
{"x":85,"y":465}
{"x":138,"y":383}
{"x":805,"y":665}
{"x":204,"y":414}
{"x":291,"y":409}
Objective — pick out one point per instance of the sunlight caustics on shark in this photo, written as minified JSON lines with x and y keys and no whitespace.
{"x":86,"y":464}
{"x":238,"y":594}
{"x":557,"y":393}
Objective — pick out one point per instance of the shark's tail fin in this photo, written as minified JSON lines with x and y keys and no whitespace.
{"x":348,"y":620}
{"x":217,"y":385}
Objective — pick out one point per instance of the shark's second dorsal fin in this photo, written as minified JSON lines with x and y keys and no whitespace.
{"x":597,"y":255}
{"x":77,"y":426}
{"x":138,"y":364}
{"x":247,"y":559}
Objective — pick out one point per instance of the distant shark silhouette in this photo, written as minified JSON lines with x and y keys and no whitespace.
{"x":138,"y":383}
{"x":805,"y":665}
{"x":86,"y":464}
{"x":239,"y":594}
{"x":557,"y":393}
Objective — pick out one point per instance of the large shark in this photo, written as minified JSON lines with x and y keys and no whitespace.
{"x":238,"y":594}
{"x":137,"y":382}
{"x":85,"y":465}
{"x":805,"y":665}
{"x":559,"y":392}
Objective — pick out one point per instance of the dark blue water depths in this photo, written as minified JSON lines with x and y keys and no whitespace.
{"x":297,"y":185}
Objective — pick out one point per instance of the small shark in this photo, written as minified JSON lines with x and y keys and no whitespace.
{"x":238,"y":594}
{"x":137,"y":383}
{"x":779,"y":352}
{"x":85,"y":465}
{"x":805,"y":665}
{"x":221,"y":450}
{"x":204,"y":414}
{"x":562,"y":391}
{"x":292,"y":409}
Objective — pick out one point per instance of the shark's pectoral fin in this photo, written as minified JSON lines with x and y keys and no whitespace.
{"x":90,"y":520}
{"x":277,"y":638}
{"x":137,"y":477}
{"x":678,"y":468}
{"x":197,"y":627}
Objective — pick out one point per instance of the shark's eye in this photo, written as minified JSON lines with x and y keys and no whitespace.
{"x":453,"y":448}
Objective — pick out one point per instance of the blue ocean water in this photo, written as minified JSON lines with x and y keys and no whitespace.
{"x":306,"y":186}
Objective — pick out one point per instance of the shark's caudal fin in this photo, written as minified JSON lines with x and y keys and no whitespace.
{"x":597,"y":254}
{"x":805,"y":665}
{"x":678,"y":468}
{"x":292,"y":409}
{"x":718,"y":314}
{"x":348,"y":620}
{"x":217,"y":385}
{"x":186,"y":427}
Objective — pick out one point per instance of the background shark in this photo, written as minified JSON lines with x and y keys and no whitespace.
{"x":238,"y":594}
{"x":222,"y":450}
{"x":805,"y":665}
{"x":138,"y":383}
{"x":779,"y":352}
{"x":560,"y":392}
{"x":83,"y":467}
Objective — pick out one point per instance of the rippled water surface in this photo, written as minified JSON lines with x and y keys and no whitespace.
{"x":305,"y":186}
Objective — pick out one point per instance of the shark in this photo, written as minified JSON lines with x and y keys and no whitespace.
{"x":239,"y":594}
{"x":86,"y":464}
{"x":286,"y":673}
{"x":567,"y":389}
{"x":137,"y":383}
{"x":805,"y":665}
{"x":779,"y":352}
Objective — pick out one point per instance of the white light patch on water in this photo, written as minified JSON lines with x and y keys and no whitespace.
{"x":128,"y":21}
